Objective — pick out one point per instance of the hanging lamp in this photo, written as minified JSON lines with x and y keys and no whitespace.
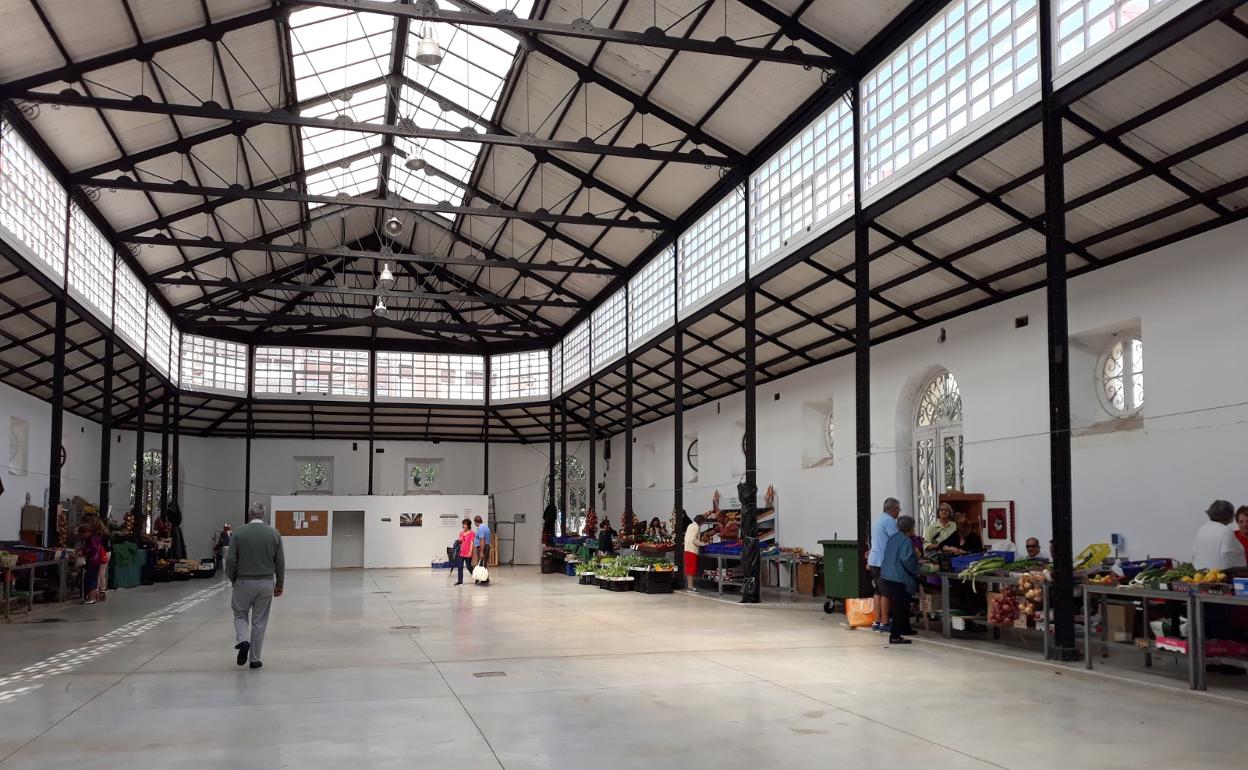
{"x":379,"y":309}
{"x":386,"y":279}
{"x":428,"y":52}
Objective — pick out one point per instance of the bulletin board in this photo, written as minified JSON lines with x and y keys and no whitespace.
{"x":302,"y":523}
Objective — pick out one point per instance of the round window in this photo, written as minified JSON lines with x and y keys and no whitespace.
{"x":829,"y":432}
{"x":1121,"y":377}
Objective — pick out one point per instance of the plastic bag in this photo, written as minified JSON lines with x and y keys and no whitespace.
{"x":861,"y":612}
{"x":481,"y":574}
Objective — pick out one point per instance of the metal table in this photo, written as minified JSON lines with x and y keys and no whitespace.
{"x":778,"y":559}
{"x":1196,"y":631}
{"x":946,"y":620}
{"x":8,"y":576}
{"x":1195,"y":642}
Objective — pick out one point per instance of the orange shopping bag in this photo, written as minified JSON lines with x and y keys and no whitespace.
{"x":861,"y":612}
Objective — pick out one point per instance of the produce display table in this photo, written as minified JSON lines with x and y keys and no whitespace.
{"x":778,"y":559}
{"x":988,"y":581}
{"x":1195,"y":635}
{"x":9,"y":576}
{"x":1197,"y":622}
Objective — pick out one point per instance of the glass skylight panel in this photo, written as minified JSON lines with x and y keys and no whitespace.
{"x":803,"y":185}
{"x":349,"y":159}
{"x":130,"y":308}
{"x":90,"y":265}
{"x":1084,"y":24}
{"x":520,"y":375}
{"x":175,"y":355}
{"x":32,"y":204}
{"x":311,"y":372}
{"x":712,"y":251}
{"x":430,"y":376}
{"x":159,"y":331}
{"x":610,"y":329}
{"x":969,"y":61}
{"x":472,"y":73}
{"x":576,"y":355}
{"x":652,"y":298}
{"x":214,"y":366}
{"x":556,"y":370}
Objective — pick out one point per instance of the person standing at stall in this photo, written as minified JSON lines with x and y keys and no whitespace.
{"x":883,"y":528}
{"x":900,"y":573}
{"x":693,"y":541}
{"x":1241,"y":527}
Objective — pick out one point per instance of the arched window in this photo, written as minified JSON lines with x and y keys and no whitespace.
{"x":152,"y":468}
{"x":578,"y":495}
{"x":938,"y":464}
{"x":1121,"y":372}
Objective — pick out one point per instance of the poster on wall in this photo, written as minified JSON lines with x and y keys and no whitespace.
{"x":411,"y":519}
{"x":449,"y":520}
{"x":302,"y":523}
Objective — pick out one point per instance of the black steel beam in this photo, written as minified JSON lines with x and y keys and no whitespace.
{"x":253,"y":287}
{"x":584,"y":29}
{"x":406,"y":129}
{"x":106,"y":426}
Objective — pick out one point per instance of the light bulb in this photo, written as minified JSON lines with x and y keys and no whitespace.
{"x":379,"y":309}
{"x":393,"y":227}
{"x":428,"y":52}
{"x":386,"y":279}
{"x":415,"y":163}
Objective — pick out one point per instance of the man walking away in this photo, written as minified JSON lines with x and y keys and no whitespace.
{"x":900,"y":574}
{"x":256,"y":567}
{"x":884,"y":527}
{"x":483,"y":545}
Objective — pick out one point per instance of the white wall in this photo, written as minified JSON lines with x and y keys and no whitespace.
{"x":1150,"y":484}
{"x":80,"y":474}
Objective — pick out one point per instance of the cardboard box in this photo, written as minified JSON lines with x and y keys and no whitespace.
{"x":1120,"y":622}
{"x":806,"y":578}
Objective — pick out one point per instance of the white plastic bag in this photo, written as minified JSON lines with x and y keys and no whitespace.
{"x":480,"y":574}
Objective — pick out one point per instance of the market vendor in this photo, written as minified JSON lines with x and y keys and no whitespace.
{"x":1033,"y":549}
{"x":940,"y":530}
{"x":656,"y":529}
{"x":965,"y":540}
{"x":693,"y":541}
{"x":606,"y":544}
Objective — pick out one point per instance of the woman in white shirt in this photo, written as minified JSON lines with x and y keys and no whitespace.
{"x":693,"y":541}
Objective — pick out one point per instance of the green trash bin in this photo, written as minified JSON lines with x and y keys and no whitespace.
{"x":841,"y":560}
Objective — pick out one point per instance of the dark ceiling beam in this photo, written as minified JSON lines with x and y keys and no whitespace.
{"x":240,"y":316}
{"x":283,"y":248}
{"x":300,"y":288}
{"x":73,"y":72}
{"x":654,"y":37}
{"x":793,"y":28}
{"x":394,"y":203}
{"x":407,"y":129}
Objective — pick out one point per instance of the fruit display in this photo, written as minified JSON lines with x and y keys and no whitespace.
{"x":591,"y":523}
{"x":1213,"y":575}
{"x":1031,"y":586}
{"x":1106,"y":579}
{"x":1004,"y":609}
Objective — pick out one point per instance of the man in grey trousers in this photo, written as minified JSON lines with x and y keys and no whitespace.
{"x":257,"y":568}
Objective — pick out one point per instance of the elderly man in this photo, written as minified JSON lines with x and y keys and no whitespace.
{"x":1033,"y":549}
{"x":257,"y":568}
{"x":884,"y":527}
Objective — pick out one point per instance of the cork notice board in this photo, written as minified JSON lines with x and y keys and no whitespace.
{"x":302,"y":523}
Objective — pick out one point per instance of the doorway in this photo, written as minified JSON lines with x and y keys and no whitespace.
{"x":347,"y":541}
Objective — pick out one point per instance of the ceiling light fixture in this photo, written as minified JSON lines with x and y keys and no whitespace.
{"x":428,"y":52}
{"x":386,"y":279}
{"x":393,"y":227}
{"x":379,"y":309}
{"x":416,"y":162}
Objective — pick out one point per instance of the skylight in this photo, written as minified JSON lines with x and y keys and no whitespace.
{"x":340,"y":58}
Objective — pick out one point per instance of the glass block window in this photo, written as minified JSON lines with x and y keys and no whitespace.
{"x":556,"y":370}
{"x":311,"y":372}
{"x":1084,"y":24}
{"x":159,"y":330}
{"x":576,"y":355}
{"x":610,"y":329}
{"x":130,"y":308}
{"x":90,"y":265}
{"x":803,"y":185}
{"x":32,"y":204}
{"x":712,"y":252}
{"x":520,"y":375}
{"x":970,"y":60}
{"x":175,"y":355}
{"x":215,"y":366}
{"x":652,"y":299}
{"x":430,"y":376}
{"x":314,"y":474}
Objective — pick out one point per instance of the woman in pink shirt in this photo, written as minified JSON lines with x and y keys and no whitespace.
{"x":465,"y":549}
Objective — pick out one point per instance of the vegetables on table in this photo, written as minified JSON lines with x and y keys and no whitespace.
{"x":1004,"y":609}
{"x":981,"y":567}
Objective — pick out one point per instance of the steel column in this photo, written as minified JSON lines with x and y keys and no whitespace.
{"x":862,"y":350}
{"x":1059,"y":345}
{"x":747,"y":492}
{"x":372,"y":414}
{"x":176,"y":465}
{"x":551,"y":498}
{"x":485,"y":429}
{"x":628,"y":436}
{"x":140,"y":436}
{"x":593,"y":448}
{"x":57,"y":428}
{"x":106,"y":425}
{"x":165,"y":467}
{"x":563,"y":463}
{"x":251,"y":371}
{"x":678,"y":442}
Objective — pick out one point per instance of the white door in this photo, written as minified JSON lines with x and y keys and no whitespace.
{"x":346,"y":540}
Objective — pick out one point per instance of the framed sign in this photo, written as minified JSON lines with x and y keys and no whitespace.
{"x":301,"y":523}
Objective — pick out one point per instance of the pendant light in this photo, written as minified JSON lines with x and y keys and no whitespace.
{"x":379,"y":309}
{"x":428,"y":52}
{"x":393,"y":227}
{"x":386,"y":279}
{"x":416,"y":162}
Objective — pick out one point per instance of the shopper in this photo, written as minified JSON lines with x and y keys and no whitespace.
{"x":883,"y":528}
{"x":463,"y":555}
{"x":483,"y":543}
{"x":100,"y":529}
{"x":1241,"y":527}
{"x":88,"y":558}
{"x":1216,"y":545}
{"x":220,"y":544}
{"x":693,"y":541}
{"x":940,"y":530}
{"x":900,"y":573}
{"x":256,"y":566}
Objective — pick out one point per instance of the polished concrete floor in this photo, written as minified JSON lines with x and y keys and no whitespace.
{"x":386,"y":669}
